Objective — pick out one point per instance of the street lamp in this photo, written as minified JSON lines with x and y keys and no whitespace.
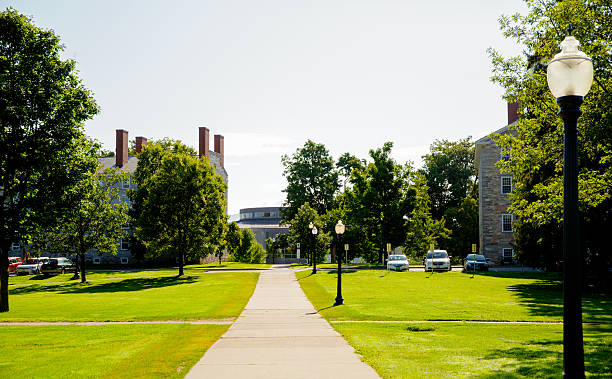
{"x":570,"y":75}
{"x":314,"y":241}
{"x":339,"y":231}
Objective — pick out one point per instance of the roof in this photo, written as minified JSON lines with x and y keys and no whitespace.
{"x":486,"y":140}
{"x":129,"y":166}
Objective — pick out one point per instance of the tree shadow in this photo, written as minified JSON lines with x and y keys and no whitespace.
{"x":344,"y":271}
{"x":545,"y":298}
{"x":545,"y":358}
{"x":125,"y":285}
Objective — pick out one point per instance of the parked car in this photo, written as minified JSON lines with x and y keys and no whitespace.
{"x":32,"y":266}
{"x":398,"y":262}
{"x":59,"y":265}
{"x":437,"y":260}
{"x":475,"y":262}
{"x":13,"y":263}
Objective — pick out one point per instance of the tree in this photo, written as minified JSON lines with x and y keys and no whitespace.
{"x":423,"y":229}
{"x":43,"y":105}
{"x":311,"y":178}
{"x":249,"y":251}
{"x":94,"y":221}
{"x":302,"y":234}
{"x":536,"y":151}
{"x":179,"y":203}
{"x":279,"y":242}
{"x":233,"y":238}
{"x":451,"y":176}
{"x":378,"y":201}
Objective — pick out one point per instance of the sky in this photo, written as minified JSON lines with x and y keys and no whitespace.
{"x":269,"y":75}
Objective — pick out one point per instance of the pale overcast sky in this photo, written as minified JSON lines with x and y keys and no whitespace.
{"x":268,"y":75}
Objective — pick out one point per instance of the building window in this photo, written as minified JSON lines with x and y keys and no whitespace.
{"x":506,"y":222}
{"x":124,"y":260}
{"x":292,"y":253}
{"x":15,"y":246}
{"x":125,"y":240}
{"x":506,"y":184}
{"x":266,"y":214}
{"x":504,"y":154}
{"x":97,"y":261}
{"x":507,"y":255}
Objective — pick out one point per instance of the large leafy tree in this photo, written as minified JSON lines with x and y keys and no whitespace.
{"x":450,"y":173}
{"x":423,"y":229}
{"x":43,"y":105}
{"x":180,"y":207}
{"x":378,"y":201}
{"x":302,"y":234}
{"x":95,"y":219}
{"x":232,"y":238}
{"x":452,"y":182}
{"x":536,"y":149}
{"x":311,"y":178}
{"x":249,"y":250}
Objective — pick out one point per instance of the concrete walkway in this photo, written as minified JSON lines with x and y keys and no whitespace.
{"x":280,"y":335}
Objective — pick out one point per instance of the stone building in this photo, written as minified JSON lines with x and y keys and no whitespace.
{"x":494,"y":220}
{"x":127,"y":164}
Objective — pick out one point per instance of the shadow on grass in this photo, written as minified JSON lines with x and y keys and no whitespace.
{"x":545,"y":298}
{"x":344,"y":271}
{"x":545,"y":358}
{"x":125,"y":285}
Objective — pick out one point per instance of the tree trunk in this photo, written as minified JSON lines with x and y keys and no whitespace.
{"x":4,"y":254}
{"x":333,"y":254}
{"x":83,"y":279}
{"x":180,"y":263}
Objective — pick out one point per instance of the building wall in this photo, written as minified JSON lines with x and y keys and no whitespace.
{"x":492,"y":203}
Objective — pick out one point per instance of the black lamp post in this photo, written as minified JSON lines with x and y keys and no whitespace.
{"x":339,"y":231}
{"x":314,"y":241}
{"x":570,"y":75}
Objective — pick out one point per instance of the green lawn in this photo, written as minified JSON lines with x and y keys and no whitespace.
{"x":451,"y":350}
{"x":230,"y":266}
{"x":385,"y":295}
{"x":149,"y":295}
{"x":106,"y":351}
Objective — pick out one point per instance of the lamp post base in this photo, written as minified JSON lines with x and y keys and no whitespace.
{"x":339,"y":301}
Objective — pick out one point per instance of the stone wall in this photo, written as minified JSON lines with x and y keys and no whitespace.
{"x":492,"y":203}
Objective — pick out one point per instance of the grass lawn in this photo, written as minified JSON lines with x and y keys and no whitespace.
{"x":230,"y":265}
{"x":385,"y":295}
{"x":433,"y":350}
{"x":148,"y":295}
{"x":106,"y":351}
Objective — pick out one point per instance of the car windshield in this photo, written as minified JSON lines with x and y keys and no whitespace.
{"x":397,"y":257}
{"x":437,"y":254}
{"x":476,"y":257}
{"x":52,"y":261}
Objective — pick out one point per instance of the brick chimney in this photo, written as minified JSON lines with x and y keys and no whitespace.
{"x":141,"y":142}
{"x":121,"y":147}
{"x":513,"y":112}
{"x":203,"y":137}
{"x":220,"y":148}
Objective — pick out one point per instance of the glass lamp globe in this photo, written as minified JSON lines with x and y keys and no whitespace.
{"x":570,"y":73}
{"x":340,"y":227}
{"x":310,"y":226}
{"x":314,"y":230}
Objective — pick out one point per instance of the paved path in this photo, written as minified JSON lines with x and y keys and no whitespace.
{"x":280,"y":335}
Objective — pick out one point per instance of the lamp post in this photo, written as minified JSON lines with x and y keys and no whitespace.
{"x":314,"y":241}
{"x":570,"y":75}
{"x":339,"y":231}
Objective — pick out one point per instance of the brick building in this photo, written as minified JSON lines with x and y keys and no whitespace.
{"x":494,"y":219}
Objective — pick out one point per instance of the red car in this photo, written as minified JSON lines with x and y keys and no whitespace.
{"x":13,"y":263}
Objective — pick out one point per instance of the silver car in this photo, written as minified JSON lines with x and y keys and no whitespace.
{"x":32,"y":266}
{"x":437,"y":260}
{"x":398,"y":262}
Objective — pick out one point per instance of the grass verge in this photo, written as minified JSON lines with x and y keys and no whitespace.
{"x":107,"y":351}
{"x":453,"y":350}
{"x":132,"y":297}
{"x":230,"y":266}
{"x":385,"y":295}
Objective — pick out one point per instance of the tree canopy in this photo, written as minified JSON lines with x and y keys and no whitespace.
{"x":311,"y":178}
{"x":43,"y":105}
{"x":536,"y":151}
{"x":179,"y":203}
